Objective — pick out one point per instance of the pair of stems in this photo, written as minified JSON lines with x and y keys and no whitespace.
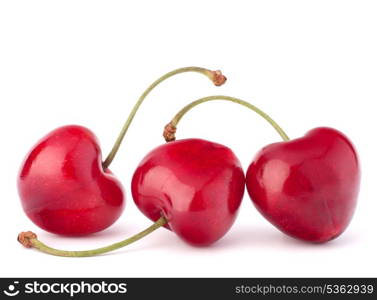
{"x":30,"y":239}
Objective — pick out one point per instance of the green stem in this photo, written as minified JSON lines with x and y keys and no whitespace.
{"x":215,"y":76}
{"x":169,"y":133}
{"x":33,"y":242}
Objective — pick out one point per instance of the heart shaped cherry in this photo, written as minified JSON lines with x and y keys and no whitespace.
{"x":63,"y":187}
{"x":307,"y":187}
{"x":195,"y":184}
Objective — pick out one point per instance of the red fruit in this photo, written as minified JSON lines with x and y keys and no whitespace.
{"x":196,"y":184}
{"x":63,"y":187}
{"x":307,"y":187}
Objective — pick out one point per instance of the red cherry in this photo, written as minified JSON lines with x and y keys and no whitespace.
{"x":63,"y":187}
{"x":195,"y":184}
{"x":307,"y":187}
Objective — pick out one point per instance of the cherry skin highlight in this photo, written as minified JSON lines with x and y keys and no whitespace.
{"x":195,"y":184}
{"x":63,"y":187}
{"x":307,"y":187}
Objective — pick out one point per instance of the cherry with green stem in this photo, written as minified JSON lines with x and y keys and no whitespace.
{"x":306,"y":187}
{"x":92,"y":201}
{"x":196,"y":184}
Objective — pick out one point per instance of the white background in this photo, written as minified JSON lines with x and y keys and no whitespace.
{"x":306,"y":63}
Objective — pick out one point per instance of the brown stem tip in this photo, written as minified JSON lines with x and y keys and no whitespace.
{"x":169,"y":132}
{"x":218,"y":78}
{"x":25,"y":238}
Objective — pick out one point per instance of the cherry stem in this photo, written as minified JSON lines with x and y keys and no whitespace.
{"x":30,"y":240}
{"x":170,"y":129}
{"x":215,"y":76}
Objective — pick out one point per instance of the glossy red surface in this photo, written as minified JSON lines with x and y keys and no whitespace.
{"x":307,"y":187}
{"x":196,"y":184}
{"x":62,"y":185}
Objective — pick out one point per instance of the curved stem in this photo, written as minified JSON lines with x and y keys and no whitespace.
{"x":215,"y":76}
{"x":169,"y":133}
{"x":30,"y":240}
